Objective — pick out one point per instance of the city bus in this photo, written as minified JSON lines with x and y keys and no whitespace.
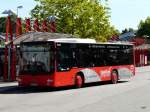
{"x":73,"y":62}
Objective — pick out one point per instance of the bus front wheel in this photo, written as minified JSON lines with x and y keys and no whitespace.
{"x":114,"y":77}
{"x":78,"y":81}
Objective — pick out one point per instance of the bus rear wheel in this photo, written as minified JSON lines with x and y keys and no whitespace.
{"x":78,"y":81}
{"x":114,"y":77}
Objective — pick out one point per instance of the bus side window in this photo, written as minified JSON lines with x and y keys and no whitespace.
{"x":111,"y":57}
{"x":127,"y":56}
{"x":82,"y":57}
{"x":98,"y":57}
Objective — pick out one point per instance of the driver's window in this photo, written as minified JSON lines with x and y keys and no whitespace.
{"x":63,"y":60}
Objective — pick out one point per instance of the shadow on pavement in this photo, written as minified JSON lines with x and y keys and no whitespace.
{"x":28,"y":90}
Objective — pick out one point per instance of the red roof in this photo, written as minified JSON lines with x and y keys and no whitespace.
{"x":138,"y":41}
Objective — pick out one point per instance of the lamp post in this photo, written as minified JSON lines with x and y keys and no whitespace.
{"x":19,"y":7}
{"x":7,"y":64}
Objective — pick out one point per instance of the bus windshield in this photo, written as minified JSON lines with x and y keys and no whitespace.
{"x":36,"y":58}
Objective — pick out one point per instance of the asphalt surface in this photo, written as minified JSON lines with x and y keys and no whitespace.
{"x":127,"y":96}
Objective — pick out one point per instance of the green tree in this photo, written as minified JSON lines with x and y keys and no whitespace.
{"x":84,"y":18}
{"x":126,"y":30}
{"x":144,"y":28}
{"x":3,"y":23}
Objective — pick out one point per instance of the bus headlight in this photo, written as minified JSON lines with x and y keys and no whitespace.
{"x":18,"y":79}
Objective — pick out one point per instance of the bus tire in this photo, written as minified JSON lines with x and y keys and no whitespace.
{"x":79,"y":81}
{"x":114,"y":77}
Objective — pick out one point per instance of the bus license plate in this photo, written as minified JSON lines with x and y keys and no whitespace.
{"x":33,"y":84}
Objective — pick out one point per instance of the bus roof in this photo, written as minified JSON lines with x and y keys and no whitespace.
{"x":58,"y":37}
{"x":79,"y":40}
{"x":116,"y":43}
{"x":40,"y":36}
{"x":73,"y":40}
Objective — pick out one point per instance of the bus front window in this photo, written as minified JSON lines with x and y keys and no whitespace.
{"x":36,"y":58}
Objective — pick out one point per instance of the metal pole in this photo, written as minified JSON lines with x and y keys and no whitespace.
{"x":9,"y":59}
{"x":19,"y":7}
{"x":17,"y":11}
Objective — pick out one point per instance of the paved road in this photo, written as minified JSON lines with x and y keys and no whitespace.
{"x":126,"y":96}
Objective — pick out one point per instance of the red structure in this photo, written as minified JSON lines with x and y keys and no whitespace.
{"x":18,"y":27}
{"x":141,"y":51}
{"x":9,"y":65}
{"x":10,"y":51}
{"x":36,"y":25}
{"x":138,"y":41}
{"x":44,"y":26}
{"x":28,"y":26}
{"x":141,"y":57}
{"x":53,"y":26}
{"x":114,"y":38}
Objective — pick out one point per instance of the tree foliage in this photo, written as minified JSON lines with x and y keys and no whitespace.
{"x":126,"y":30}
{"x":84,"y":18}
{"x":144,"y":28}
{"x":3,"y":23}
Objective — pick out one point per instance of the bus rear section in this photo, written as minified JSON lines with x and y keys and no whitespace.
{"x":57,"y":64}
{"x":80,"y":63}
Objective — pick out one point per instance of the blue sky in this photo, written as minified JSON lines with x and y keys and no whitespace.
{"x":128,"y":13}
{"x":124,"y":13}
{"x":13,"y":4}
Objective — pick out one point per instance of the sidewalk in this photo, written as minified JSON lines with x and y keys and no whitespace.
{"x":142,"y":69}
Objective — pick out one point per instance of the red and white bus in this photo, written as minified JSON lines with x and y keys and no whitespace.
{"x":59,"y":62}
